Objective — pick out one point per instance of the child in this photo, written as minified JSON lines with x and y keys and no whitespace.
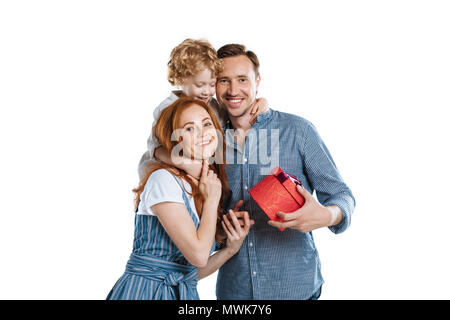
{"x":193,"y":66}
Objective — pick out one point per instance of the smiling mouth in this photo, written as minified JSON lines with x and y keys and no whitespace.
{"x":204,"y":143}
{"x":203,"y":98}
{"x":235,"y":102}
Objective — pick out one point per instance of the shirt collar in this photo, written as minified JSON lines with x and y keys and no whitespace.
{"x":263,"y":117}
{"x":260,"y":119}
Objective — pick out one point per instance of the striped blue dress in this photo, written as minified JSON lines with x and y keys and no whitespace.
{"x":156,"y":270}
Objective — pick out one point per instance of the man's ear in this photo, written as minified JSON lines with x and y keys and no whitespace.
{"x":258,"y":80}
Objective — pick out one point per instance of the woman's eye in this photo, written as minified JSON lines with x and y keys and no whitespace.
{"x":207,"y":124}
{"x":189,"y":129}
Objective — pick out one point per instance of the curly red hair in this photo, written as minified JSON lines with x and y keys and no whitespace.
{"x":190,"y":57}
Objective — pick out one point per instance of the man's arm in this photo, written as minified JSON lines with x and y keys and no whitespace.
{"x":335,"y":203}
{"x":311,"y":216}
{"x":325,"y":178}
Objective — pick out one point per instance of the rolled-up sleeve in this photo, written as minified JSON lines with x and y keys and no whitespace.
{"x":325,"y":179}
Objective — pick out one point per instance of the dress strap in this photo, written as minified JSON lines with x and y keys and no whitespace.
{"x":195,"y":218}
{"x":187,"y":204}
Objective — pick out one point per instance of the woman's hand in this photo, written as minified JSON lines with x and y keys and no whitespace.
{"x":209,"y":184}
{"x":231,"y":224}
{"x":234,"y":231}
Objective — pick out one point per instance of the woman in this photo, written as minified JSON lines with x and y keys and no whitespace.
{"x":176,"y":216}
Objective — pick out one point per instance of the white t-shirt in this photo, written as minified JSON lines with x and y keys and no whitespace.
{"x":161,"y":186}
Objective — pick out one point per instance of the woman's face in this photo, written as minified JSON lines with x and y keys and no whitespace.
{"x":199,"y":136}
{"x":200,"y":86}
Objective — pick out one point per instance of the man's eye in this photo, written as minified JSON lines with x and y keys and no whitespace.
{"x":223,"y":81}
{"x":242,"y":80}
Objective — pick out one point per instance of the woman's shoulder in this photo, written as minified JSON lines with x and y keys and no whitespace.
{"x":162,"y":176}
{"x":162,"y":186}
{"x":168,"y":179}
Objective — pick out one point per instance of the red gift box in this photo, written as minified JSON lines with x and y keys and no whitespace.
{"x":277,"y":192}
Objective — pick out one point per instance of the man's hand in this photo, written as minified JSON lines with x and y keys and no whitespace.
{"x":235,"y":232}
{"x":240,"y":216}
{"x":238,"y":205}
{"x":311,"y":216}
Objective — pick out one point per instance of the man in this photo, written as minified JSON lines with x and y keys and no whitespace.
{"x":274,"y":264}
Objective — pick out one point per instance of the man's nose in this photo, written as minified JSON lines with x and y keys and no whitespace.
{"x":233,"y":88}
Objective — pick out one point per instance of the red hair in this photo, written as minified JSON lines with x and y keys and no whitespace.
{"x":163,"y":129}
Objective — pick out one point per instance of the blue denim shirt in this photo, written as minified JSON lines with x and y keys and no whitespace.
{"x":274,"y":264}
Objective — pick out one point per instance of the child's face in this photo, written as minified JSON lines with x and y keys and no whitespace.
{"x":200,"y":86}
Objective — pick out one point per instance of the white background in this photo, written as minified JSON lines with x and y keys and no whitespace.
{"x":79,"y":81}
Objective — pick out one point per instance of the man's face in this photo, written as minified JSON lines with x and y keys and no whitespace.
{"x":237,"y":85}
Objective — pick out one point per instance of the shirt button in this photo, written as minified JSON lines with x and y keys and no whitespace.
{"x":245,"y":187}
{"x":254,"y":273}
{"x":251,"y":244}
{"x":245,"y":159}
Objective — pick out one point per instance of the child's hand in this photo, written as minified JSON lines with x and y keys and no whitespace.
{"x":261,"y":105}
{"x":193,"y":168}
